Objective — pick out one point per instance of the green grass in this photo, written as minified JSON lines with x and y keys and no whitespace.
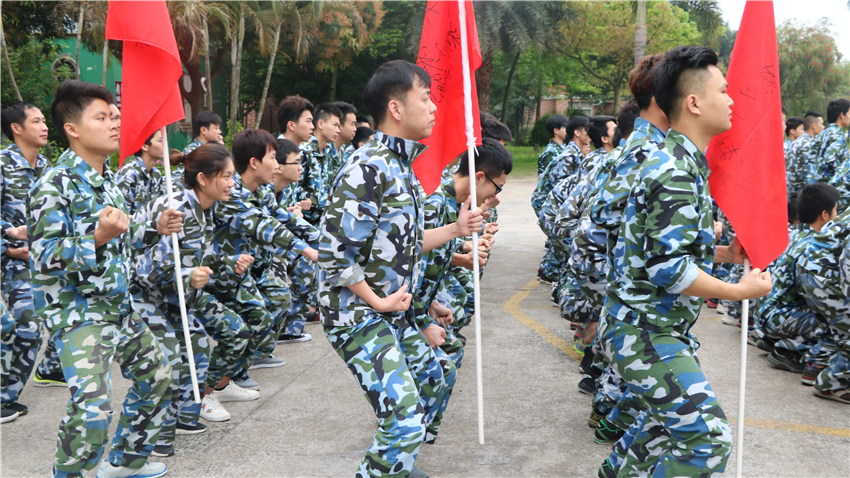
{"x":525,"y":160}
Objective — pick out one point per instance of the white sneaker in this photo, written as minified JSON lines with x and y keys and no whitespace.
{"x":235,"y":393}
{"x":211,"y":410}
{"x":729,"y":320}
{"x":148,"y":470}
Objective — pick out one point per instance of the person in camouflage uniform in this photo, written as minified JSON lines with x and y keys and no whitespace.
{"x":206,"y":128}
{"x":20,"y":167}
{"x":317,"y":156}
{"x":556,"y":125}
{"x":373,"y":238}
{"x":828,"y":151}
{"x":295,"y":117}
{"x":795,"y":153}
{"x":342,"y":143}
{"x":660,"y":268}
{"x":140,"y":180}
{"x":818,"y":270}
{"x":81,"y":248}
{"x":788,"y":323}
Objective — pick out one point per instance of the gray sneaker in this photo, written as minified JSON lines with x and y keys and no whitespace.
{"x":293,"y":339}
{"x":269,"y":362}
{"x":248,"y":383}
{"x":148,"y":470}
{"x":417,"y":473}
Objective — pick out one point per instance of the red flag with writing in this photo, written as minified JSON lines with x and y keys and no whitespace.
{"x":151,"y":69}
{"x":747,"y":162}
{"x":440,"y":56}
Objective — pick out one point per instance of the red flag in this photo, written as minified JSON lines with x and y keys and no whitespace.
{"x":440,"y":56}
{"x":150,"y":70}
{"x":747,"y":162}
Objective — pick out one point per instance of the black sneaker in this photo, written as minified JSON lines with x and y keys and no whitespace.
{"x":163,"y":451}
{"x":7,"y":415}
{"x":606,"y":470}
{"x":190,"y":429}
{"x":586,"y":364}
{"x":766,"y":343}
{"x":786,"y":360}
{"x":595,"y":417}
{"x":313,"y":317}
{"x":542,"y":277}
{"x":606,"y":433}
{"x":56,"y":379}
{"x":587,"y":385}
{"x":810,"y":374}
{"x":17,"y":407}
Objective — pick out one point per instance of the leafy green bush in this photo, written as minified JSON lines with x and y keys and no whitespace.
{"x":539,"y":137}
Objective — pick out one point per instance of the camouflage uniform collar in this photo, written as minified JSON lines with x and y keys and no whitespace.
{"x":83,"y":169}
{"x":831,"y":129}
{"x":691,"y":149}
{"x":406,"y":149}
{"x":20,"y":162}
{"x":574,"y":147}
{"x":142,"y":167}
{"x":802,"y":137}
{"x":649,"y":129}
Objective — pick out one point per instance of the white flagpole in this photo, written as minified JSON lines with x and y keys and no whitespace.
{"x":178,"y":270}
{"x":742,"y":381}
{"x":470,"y":144}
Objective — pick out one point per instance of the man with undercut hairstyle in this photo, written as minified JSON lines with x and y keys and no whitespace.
{"x":342,"y":143}
{"x":21,"y":165}
{"x":795,"y":153}
{"x":661,"y":272}
{"x":81,"y":252}
{"x":139,"y":179}
{"x":206,"y":128}
{"x":828,"y":151}
{"x":316,"y":157}
{"x":295,"y":118}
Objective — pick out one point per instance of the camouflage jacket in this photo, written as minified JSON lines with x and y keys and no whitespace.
{"x":315,"y":181}
{"x":373,"y":231}
{"x":139,"y":185}
{"x":787,"y":291}
{"x":195,"y":144}
{"x":666,"y":237}
{"x":825,"y":154}
{"x":72,"y":281}
{"x":16,"y":179}
{"x":548,"y":218}
{"x":565,"y":164}
{"x":841,"y":178}
{"x":844,"y":269}
{"x":252,"y":223}
{"x":822,"y":260}
{"x":550,"y":152}
{"x":441,"y":209}
{"x":795,"y":160}
{"x":593,"y":159}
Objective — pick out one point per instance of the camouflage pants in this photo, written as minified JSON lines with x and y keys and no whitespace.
{"x":273,"y":284}
{"x":303,"y":274}
{"x":188,"y":411}
{"x":794,"y":328}
{"x":735,"y":309}
{"x":453,"y":346}
{"x":686,"y":432}
{"x":620,"y":450}
{"x":229,"y":331}
{"x":573,"y":304}
{"x":460,"y":285}
{"x":162,"y":329}
{"x":406,"y":384}
{"x":50,"y":362}
{"x":250,"y":304}
{"x":836,"y":375}
{"x":553,"y":260}
{"x":7,"y":337}
{"x":86,"y":352}
{"x":21,"y":329}
{"x":833,"y":309}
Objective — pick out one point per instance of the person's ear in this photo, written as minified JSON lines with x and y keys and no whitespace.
{"x":146,"y":147}
{"x":204,"y":130}
{"x":17,"y":129}
{"x":320,"y":124}
{"x":395,"y":108}
{"x":692,"y":105}
{"x":254,"y":163}
{"x":71,"y":130}
{"x":202,"y":180}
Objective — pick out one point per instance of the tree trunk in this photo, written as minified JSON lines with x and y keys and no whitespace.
{"x":640,"y":31}
{"x":539,"y":98}
{"x":235,"y":56}
{"x":209,"y":94}
{"x":332,"y":93}
{"x":268,"y":77}
{"x":79,"y":40}
{"x":105,"y":59}
{"x":483,"y":78}
{"x":9,"y":62}
{"x":618,"y":92}
{"x":508,"y":87}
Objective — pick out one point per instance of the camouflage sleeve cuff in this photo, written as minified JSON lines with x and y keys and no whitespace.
{"x":685,"y":280}
{"x":348,"y":276}
{"x":86,"y":255}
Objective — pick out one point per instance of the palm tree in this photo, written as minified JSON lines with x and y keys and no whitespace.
{"x":640,"y":31}
{"x":705,"y":13}
{"x":240,"y":13}
{"x":91,"y":28}
{"x":301,"y":22}
{"x":8,"y":62}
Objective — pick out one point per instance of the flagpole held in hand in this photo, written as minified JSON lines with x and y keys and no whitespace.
{"x":178,"y":271}
{"x":473,"y":205}
{"x":742,"y":381}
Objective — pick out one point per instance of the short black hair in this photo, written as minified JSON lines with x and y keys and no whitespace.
{"x":576,"y":122}
{"x":784,"y":111}
{"x":810,"y":119}
{"x":325,"y":111}
{"x":392,"y":80}
{"x":599,"y":129}
{"x":291,"y":109}
{"x":495,"y":129}
{"x":346,"y":109}
{"x":792,"y":209}
{"x":362,"y":135}
{"x":147,"y":142}
{"x":814,"y":199}
{"x":285,"y":147}
{"x":203,"y":120}
{"x":492,"y":158}
{"x":14,"y":113}
{"x":626,"y":118}
{"x":364,"y":119}
{"x":71,"y":99}
{"x":251,"y":143}
{"x":792,"y":123}
{"x":555,"y":122}
{"x":836,"y":108}
{"x":677,"y":74}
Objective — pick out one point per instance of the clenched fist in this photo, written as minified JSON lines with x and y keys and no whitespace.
{"x":111,"y":223}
